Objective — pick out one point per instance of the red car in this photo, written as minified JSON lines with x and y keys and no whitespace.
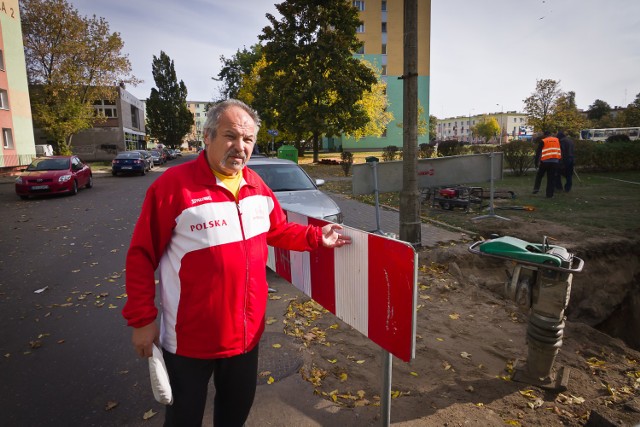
{"x":54,"y":175}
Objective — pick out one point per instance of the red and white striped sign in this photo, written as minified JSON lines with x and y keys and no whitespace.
{"x":370,"y":285}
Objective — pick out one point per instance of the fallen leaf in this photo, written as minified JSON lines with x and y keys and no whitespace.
{"x":149,"y":414}
{"x":440,"y":339}
{"x":470,"y":389}
{"x":343,"y":377}
{"x":465,"y":355}
{"x":446,"y":365}
{"x":332,"y":360}
{"x":275,"y":297}
{"x":270,"y":380}
{"x":454,"y":316}
{"x":110,"y":405}
{"x":415,"y":374}
{"x":271,"y":320}
{"x":276,"y":346}
{"x":360,"y":362}
{"x":334,"y":326}
{"x":39,"y":291}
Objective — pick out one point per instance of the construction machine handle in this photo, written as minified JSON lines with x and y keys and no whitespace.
{"x":577,"y":269}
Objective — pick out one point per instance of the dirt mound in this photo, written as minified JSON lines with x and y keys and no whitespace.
{"x":469,"y":337}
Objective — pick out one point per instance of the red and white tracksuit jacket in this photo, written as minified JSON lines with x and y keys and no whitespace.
{"x":211,"y":252}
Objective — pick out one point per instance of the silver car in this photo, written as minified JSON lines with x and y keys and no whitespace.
{"x":295,"y":190}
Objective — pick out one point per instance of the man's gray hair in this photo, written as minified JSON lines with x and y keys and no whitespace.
{"x":213,"y":116}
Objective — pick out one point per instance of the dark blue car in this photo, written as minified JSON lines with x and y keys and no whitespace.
{"x":129,"y":162}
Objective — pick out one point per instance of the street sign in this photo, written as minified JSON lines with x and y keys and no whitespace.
{"x":272,"y":132}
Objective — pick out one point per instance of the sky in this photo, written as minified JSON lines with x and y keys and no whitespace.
{"x":486,"y":55}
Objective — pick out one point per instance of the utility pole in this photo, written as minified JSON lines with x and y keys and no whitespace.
{"x":410,"y":223}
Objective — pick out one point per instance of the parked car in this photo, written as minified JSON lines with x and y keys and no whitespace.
{"x":168,"y":153}
{"x":129,"y":162}
{"x":295,"y":190}
{"x":54,"y":175}
{"x":147,"y":158}
{"x":158,"y":158}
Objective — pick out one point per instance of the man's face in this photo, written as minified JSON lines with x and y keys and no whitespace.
{"x":228,"y":152}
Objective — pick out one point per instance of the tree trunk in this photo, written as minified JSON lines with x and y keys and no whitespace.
{"x":316,"y":145}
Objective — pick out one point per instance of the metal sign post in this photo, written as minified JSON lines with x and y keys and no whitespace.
{"x":385,"y":396}
{"x":373,"y":161}
{"x":491,"y":213}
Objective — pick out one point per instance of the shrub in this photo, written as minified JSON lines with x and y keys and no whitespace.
{"x":426,"y":151}
{"x":619,"y":138}
{"x":347,"y":161}
{"x":518,"y":155}
{"x":450,"y":148}
{"x":389,"y":153}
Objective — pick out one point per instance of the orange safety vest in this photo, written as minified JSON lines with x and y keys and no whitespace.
{"x":550,"y":149}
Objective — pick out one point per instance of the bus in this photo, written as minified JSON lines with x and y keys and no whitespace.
{"x":603,"y":134}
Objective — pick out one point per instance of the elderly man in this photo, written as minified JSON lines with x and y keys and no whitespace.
{"x":205,"y":226}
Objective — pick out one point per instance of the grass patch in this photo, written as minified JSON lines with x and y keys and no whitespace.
{"x":598,"y":202}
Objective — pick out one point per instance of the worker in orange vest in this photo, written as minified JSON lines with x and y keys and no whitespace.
{"x":547,"y":160}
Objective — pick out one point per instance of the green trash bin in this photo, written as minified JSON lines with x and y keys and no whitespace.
{"x":288,"y":152}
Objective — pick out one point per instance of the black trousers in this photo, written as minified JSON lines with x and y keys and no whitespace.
{"x":548,"y":168}
{"x":233,"y":377}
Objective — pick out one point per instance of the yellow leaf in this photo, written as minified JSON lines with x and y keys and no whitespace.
{"x":360,"y":362}
{"x":334,"y":326}
{"x":360,"y":394}
{"x":512,"y":422}
{"x":150,"y":413}
{"x":113,"y":306}
{"x":440,"y":339}
{"x":275,"y":297}
{"x":110,"y":405}
{"x":446,"y":365}
{"x":332,"y":360}
{"x":454,"y":316}
{"x":271,"y":320}
{"x":529,"y":393}
{"x":276,"y":346}
{"x":343,"y":377}
{"x":270,"y":380}
{"x":415,"y":374}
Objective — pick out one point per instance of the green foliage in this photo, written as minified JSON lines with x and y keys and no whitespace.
{"x":347,"y":161}
{"x":426,"y":151}
{"x":618,"y":138}
{"x":71,"y":61}
{"x":433,"y":125}
{"x":607,"y":157}
{"x":566,"y":116}
{"x":168,"y":118}
{"x":518,"y":155}
{"x":598,"y":110}
{"x":312,"y":84}
{"x":235,"y":69}
{"x":450,"y":148}
{"x":390,"y":153}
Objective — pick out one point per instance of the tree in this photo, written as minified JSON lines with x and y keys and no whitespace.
{"x":598,"y":110}
{"x":540,"y":105}
{"x":235,"y":69}
{"x":487,"y":128}
{"x":375,"y":104}
{"x":631,"y":115}
{"x":71,"y":61}
{"x":566,"y":116}
{"x":433,"y":126}
{"x":312,"y":83}
{"x":168,"y":118}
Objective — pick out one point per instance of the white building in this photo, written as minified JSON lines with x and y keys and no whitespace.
{"x":513,"y":125}
{"x":199,"y":111}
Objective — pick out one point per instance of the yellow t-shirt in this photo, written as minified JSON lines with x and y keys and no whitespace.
{"x":231,"y":182}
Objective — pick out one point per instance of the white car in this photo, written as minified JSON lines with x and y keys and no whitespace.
{"x":294,"y":189}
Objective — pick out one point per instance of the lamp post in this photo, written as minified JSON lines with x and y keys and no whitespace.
{"x":501,"y":118}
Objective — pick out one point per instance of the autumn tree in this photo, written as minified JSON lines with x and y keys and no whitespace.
{"x":433,"y":125}
{"x":71,"y":61}
{"x":566,"y":116}
{"x":539,"y":107}
{"x":631,"y":114}
{"x":487,"y":128}
{"x":235,"y":70}
{"x":312,"y":80}
{"x":168,"y":118}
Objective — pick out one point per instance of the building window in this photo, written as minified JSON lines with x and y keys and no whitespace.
{"x":4,"y":100}
{"x":7,"y":138}
{"x":106,"y":108}
{"x":384,"y":27}
{"x":384,"y":6}
{"x":359,"y":4}
{"x":134,"y":118}
{"x":384,"y":48}
{"x":1,"y":60}
{"x":360,"y":28}
{"x":361,"y":50}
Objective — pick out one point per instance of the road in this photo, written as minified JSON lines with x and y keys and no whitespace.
{"x":66,"y":353}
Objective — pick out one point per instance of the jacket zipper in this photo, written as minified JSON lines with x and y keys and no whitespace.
{"x":246,"y":280}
